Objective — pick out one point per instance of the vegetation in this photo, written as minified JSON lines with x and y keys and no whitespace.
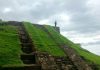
{"x":42,"y":40}
{"x":64,"y":41}
{"x":9,"y":45}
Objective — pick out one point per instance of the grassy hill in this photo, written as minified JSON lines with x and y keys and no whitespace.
{"x":45,"y":38}
{"x":59,"y":38}
{"x":88,"y":56}
{"x":44,"y":42}
{"x":9,"y":45}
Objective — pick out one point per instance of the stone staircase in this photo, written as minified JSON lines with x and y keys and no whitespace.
{"x":28,"y":56}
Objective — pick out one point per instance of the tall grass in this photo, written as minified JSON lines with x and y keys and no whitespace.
{"x":42,"y":40}
{"x":9,"y":45}
{"x":90,"y":57}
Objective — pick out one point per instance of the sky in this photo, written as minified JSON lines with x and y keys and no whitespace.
{"x":78,"y":19}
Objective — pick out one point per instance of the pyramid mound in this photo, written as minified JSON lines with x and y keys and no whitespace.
{"x":26,"y":46}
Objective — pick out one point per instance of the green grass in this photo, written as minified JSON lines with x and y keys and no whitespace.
{"x":42,"y":40}
{"x":10,"y":48}
{"x":64,"y":41}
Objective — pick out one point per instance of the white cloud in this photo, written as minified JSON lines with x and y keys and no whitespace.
{"x":45,"y":21}
{"x":63,"y":20}
{"x":93,"y":48}
{"x":93,"y":6}
{"x":90,"y":41}
{"x":7,"y":10}
{"x":82,"y":38}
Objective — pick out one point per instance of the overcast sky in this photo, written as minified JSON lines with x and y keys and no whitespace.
{"x":79,"y":20}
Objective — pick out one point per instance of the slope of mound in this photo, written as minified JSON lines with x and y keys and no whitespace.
{"x":82,"y":52}
{"x":9,"y":45}
{"x":46,"y":39}
{"x":42,"y":40}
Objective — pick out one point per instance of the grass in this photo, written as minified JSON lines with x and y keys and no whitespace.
{"x":90,"y":57}
{"x":42,"y":40}
{"x":10,"y":48}
{"x":9,"y":45}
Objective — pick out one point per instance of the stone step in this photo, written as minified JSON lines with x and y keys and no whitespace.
{"x":27,"y":45}
{"x":28,"y":58}
{"x":22,"y":33}
{"x":24,"y":37}
{"x":25,"y":40}
{"x":22,"y":67}
{"x":27,"y":49}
